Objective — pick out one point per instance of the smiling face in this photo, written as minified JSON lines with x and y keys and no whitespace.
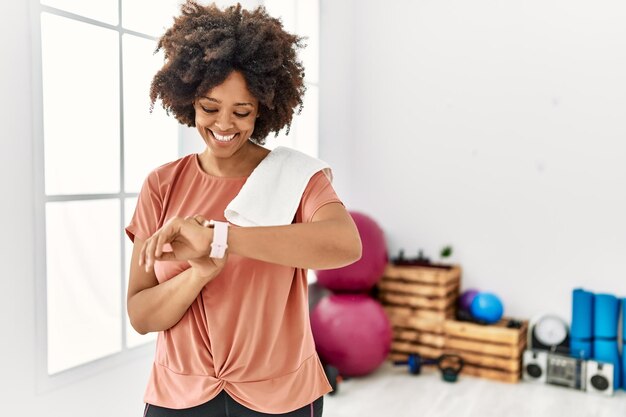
{"x":225,"y":116}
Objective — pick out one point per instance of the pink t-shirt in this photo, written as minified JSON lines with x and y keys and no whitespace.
{"x":248,"y":331}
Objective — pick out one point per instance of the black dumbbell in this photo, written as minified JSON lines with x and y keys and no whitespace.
{"x":415,"y":363}
{"x":449,"y":365}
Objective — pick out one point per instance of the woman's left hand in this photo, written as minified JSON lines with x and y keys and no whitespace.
{"x":188,"y":237}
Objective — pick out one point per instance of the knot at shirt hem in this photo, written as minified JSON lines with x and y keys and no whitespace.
{"x":274,"y":396}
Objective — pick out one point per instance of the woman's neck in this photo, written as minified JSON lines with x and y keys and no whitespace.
{"x":240,"y":164}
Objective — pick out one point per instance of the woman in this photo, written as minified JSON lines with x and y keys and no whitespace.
{"x":234,"y":333}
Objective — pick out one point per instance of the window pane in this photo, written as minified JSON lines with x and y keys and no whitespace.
{"x":149,"y":16}
{"x":132,"y":337}
{"x":272,"y":142}
{"x":83,"y":279}
{"x":308,"y":19}
{"x":304,"y":132}
{"x":285,"y":11}
{"x":103,"y":10}
{"x":302,"y":18}
{"x":80,"y":106}
{"x":150,"y":140}
{"x":307,"y":123}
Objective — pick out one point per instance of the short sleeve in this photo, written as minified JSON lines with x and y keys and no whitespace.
{"x":145,"y":220}
{"x":317,"y":193}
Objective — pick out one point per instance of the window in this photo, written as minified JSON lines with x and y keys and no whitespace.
{"x":96,"y":142}
{"x":302,"y":18}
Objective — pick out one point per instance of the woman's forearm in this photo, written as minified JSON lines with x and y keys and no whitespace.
{"x":162,"y":306}
{"x":316,"y":245}
{"x":329,"y":240}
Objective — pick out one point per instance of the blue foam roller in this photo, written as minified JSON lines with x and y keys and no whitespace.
{"x":582,"y":314}
{"x":607,"y":351}
{"x":624,"y":320}
{"x":581,"y":348}
{"x":624,"y":366}
{"x":624,"y":344}
{"x":605,"y":316}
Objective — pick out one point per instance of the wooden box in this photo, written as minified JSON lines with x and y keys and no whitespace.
{"x":419,"y":292}
{"x":489,"y":351}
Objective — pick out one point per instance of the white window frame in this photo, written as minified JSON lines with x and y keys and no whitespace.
{"x":44,"y":381}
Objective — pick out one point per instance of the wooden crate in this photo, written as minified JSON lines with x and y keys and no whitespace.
{"x":493,"y":351}
{"x":418,"y":300}
{"x":430,"y":275}
{"x":419,"y":291}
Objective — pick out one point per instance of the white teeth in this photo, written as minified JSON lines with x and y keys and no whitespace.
{"x":223,"y":138}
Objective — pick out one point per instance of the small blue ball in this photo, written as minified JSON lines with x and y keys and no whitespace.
{"x":486,"y":307}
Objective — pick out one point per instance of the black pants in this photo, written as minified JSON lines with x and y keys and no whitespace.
{"x":224,"y":406}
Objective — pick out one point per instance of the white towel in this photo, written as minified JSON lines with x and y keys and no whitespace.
{"x":272,"y":193}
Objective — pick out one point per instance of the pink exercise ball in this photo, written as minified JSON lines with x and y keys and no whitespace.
{"x":363,"y":274}
{"x":352,"y":333}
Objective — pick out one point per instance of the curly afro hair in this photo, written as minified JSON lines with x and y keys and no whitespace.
{"x":206,"y":44}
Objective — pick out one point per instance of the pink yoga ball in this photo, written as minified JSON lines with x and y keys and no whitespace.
{"x":362,"y":275}
{"x":352,"y":333}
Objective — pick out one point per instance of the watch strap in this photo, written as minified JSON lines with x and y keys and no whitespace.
{"x":220,"y":239}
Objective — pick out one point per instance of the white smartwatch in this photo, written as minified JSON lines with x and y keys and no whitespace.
{"x":220,"y":238}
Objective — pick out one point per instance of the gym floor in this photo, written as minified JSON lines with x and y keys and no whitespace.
{"x":391,"y":391}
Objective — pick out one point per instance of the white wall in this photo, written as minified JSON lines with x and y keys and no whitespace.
{"x":118,"y":389}
{"x":497,"y":127}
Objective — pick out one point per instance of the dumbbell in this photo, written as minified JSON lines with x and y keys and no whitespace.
{"x":450,"y":365}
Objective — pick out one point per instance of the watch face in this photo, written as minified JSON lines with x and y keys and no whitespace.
{"x":551,"y":331}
